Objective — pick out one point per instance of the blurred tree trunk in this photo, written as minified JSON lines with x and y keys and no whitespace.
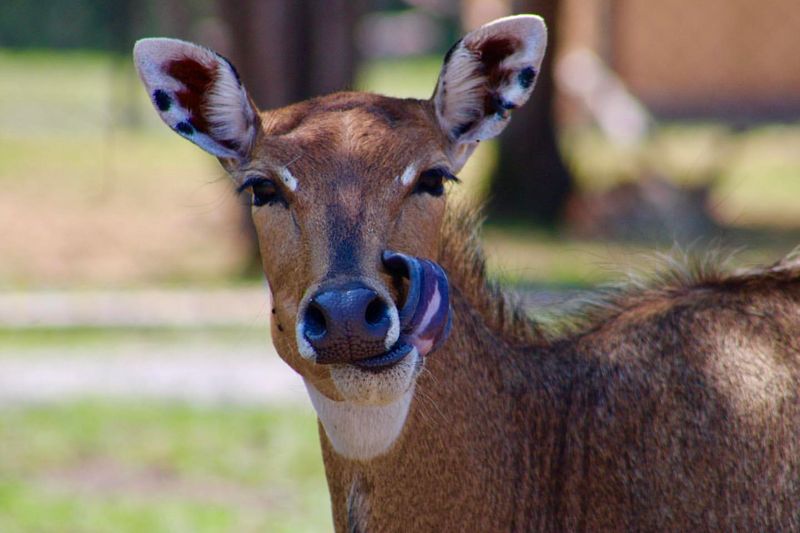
{"x":290,"y":51}
{"x":174,"y":18}
{"x":532,"y":182}
{"x":123,"y":22}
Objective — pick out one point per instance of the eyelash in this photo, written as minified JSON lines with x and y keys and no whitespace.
{"x":431,"y":181}
{"x":264,"y":191}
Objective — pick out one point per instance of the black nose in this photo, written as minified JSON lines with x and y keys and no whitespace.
{"x":346,"y":323}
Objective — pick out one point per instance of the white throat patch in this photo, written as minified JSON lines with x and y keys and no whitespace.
{"x":360,"y":432}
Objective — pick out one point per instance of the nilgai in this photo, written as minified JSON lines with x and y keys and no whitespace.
{"x":667,"y":406}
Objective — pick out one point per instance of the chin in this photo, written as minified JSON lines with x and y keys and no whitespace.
{"x":369,"y":420}
{"x":377,"y":387}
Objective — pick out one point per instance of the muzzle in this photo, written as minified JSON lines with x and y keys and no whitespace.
{"x":425,"y":317}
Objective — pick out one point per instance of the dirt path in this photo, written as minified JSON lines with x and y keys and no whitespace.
{"x":212,"y":375}
{"x":135,"y":308}
{"x":215,"y":371}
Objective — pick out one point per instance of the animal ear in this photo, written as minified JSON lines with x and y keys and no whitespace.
{"x":488,"y":73}
{"x":199,"y":95}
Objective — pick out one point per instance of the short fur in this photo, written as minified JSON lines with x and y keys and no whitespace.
{"x":671,"y":405}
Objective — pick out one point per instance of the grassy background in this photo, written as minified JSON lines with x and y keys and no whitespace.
{"x":98,"y":193}
{"x":133,"y":467}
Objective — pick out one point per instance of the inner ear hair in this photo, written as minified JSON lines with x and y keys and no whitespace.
{"x":486,"y":75}
{"x":199,"y":95}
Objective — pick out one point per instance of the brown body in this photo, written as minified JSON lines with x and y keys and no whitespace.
{"x":675,"y":408}
{"x":672,"y":406}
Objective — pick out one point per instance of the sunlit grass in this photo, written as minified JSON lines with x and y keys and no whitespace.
{"x":100,"y":339}
{"x":160,"y":467}
{"x":49,"y":92}
{"x":124,"y":210}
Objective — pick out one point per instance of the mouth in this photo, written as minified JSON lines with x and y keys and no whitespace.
{"x":394,"y":355}
{"x":425,"y":317}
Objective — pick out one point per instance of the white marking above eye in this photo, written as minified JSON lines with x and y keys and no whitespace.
{"x":287,"y":178}
{"x":408,"y":174}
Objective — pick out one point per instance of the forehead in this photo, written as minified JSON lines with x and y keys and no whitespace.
{"x":351,"y":132}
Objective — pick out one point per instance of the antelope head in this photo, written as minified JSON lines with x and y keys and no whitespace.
{"x":348,"y":197}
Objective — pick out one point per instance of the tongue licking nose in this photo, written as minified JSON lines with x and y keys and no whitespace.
{"x":425,"y":317}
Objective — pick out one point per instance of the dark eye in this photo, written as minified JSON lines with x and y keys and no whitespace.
{"x":432,"y":181}
{"x":264,"y":191}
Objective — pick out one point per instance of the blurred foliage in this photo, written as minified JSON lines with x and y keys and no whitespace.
{"x":91,"y":24}
{"x":59,"y":24}
{"x":112,"y":24}
{"x":754,"y":173}
{"x":413,"y":77}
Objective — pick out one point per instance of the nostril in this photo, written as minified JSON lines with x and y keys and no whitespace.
{"x":314,"y":322}
{"x":376,"y":312}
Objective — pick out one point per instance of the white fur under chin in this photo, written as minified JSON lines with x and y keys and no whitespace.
{"x":360,"y":432}
{"x":363,"y":429}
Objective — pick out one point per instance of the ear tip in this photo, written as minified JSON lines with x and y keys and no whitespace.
{"x":144,"y":48}
{"x":141,"y":50}
{"x":533,"y":25}
{"x":142,"y":45}
{"x":150,"y":46}
{"x":536,"y":21}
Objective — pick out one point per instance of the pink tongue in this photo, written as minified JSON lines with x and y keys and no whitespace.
{"x":425,"y":317}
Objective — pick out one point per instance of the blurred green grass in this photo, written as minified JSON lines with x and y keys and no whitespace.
{"x":132,"y":467}
{"x":93,"y":338}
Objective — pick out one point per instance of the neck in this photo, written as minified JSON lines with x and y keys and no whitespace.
{"x":468,"y":426}
{"x":583,"y":431}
